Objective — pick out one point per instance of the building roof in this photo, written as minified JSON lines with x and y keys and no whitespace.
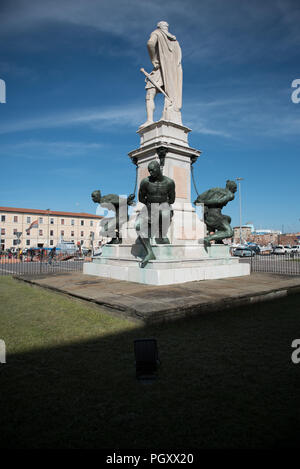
{"x":34,"y":211}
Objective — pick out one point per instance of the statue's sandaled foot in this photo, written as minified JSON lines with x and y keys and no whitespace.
{"x":146,"y":259}
{"x":148,"y":122}
{"x":162,"y":241}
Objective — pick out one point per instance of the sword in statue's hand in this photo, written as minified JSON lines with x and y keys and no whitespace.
{"x":149,"y":77}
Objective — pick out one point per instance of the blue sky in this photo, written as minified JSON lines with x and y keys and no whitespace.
{"x":75,"y":98}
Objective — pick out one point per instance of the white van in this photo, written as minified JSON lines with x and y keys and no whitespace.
{"x":296,"y":249}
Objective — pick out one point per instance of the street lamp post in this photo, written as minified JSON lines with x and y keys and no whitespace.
{"x":48,"y":210}
{"x":240,"y":199}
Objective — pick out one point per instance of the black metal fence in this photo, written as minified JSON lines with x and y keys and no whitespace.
{"x":40,"y":264}
{"x":285,"y":264}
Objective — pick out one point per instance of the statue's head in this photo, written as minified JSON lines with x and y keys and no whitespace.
{"x":96,"y":196}
{"x":154,"y":169}
{"x":231,"y":185}
{"x":163,"y":25}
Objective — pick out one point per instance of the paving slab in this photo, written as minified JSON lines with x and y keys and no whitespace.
{"x":150,"y":304}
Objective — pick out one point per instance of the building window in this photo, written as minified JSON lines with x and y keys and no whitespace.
{"x":28,"y":233}
{"x":91,"y":234}
{"x":82,"y":222}
{"x":40,"y":232}
{"x":3,"y":231}
{"x":51,"y":232}
{"x":27,"y":242}
{"x":2,"y":217}
{"x":62,"y":233}
{"x":51,"y":221}
{"x":28,"y":220}
{"x":72,"y":233}
{"x":81,"y":233}
{"x":51,"y":242}
{"x":15,"y":242}
{"x":40,"y":220}
{"x":15,"y":231}
{"x":72,"y":222}
{"x":91,"y":223}
{"x":62,"y":221}
{"x":15,"y":219}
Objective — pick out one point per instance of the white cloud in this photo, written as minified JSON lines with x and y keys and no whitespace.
{"x":115,"y":16}
{"x":231,"y":30}
{"x":41,"y":149}
{"x":124,"y":116}
{"x":233,"y":118}
{"x":254,"y":115}
{"x":112,"y":119}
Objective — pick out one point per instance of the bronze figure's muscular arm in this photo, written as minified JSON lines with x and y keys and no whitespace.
{"x":171,"y":192}
{"x":143,"y":192}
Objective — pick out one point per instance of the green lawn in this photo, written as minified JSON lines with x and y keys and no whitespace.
{"x":226,"y":380}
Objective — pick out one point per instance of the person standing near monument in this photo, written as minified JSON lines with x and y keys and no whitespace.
{"x":166,"y":76}
{"x":52,"y":254}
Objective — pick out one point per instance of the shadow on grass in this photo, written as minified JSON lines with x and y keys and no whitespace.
{"x":226,"y":381}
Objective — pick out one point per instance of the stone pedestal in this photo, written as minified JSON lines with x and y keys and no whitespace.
{"x":173,"y":264}
{"x":185,"y":259}
{"x":186,"y":227}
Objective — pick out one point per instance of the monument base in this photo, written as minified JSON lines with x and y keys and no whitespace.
{"x":173,"y":264}
{"x":186,"y":258}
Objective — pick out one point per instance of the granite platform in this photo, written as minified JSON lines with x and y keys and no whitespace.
{"x":153,"y":304}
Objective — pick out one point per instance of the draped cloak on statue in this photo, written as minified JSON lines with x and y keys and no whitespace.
{"x":168,"y":53}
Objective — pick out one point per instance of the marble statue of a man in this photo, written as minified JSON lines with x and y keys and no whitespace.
{"x":165,"y":55}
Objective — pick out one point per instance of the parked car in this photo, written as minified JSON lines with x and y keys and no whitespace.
{"x":254,"y":247}
{"x":266,"y":250}
{"x":244,"y":252}
{"x":296,"y":249}
{"x":288,"y":249}
{"x":66,"y":247}
{"x":279,"y":250}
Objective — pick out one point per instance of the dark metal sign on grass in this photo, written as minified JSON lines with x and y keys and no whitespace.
{"x":2,"y":351}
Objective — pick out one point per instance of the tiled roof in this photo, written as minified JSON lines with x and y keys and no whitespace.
{"x":49,"y":212}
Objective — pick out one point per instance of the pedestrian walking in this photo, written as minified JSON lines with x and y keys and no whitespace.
{"x":52,"y":254}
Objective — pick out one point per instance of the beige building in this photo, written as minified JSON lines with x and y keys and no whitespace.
{"x":46,"y":228}
{"x":245,"y":232}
